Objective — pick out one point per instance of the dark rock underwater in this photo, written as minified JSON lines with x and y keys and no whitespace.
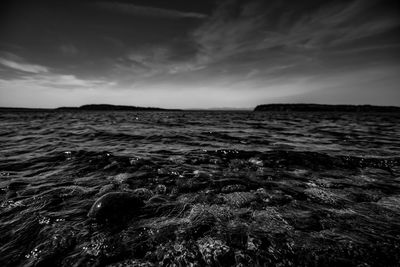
{"x":199,"y":189}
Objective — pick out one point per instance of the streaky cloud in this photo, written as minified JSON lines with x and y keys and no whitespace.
{"x":22,"y":66}
{"x":239,"y":27}
{"x":147,"y":11}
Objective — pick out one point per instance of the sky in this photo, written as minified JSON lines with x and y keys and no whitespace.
{"x":199,"y":54}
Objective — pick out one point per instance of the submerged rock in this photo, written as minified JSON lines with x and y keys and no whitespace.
{"x":220,"y":213}
{"x":143,"y":193}
{"x":105,"y":189}
{"x":178,"y":253}
{"x":233,"y":188}
{"x":115,"y":207}
{"x":120,"y":178}
{"x":215,"y":252}
{"x":161,"y":189}
{"x":157,"y":199}
{"x":201,"y":222}
{"x":239,"y":199}
{"x":270,"y":221}
{"x":325,"y":196}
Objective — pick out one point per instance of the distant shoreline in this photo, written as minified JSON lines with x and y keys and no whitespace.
{"x":259,"y":108}
{"x":108,"y":107}
{"x":91,"y":107}
{"x":326,"y":108}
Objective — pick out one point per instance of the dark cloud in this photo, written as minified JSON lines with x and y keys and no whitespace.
{"x":241,"y":26}
{"x":146,"y":11}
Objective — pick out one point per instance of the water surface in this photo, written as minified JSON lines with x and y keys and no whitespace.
{"x":221,"y":188}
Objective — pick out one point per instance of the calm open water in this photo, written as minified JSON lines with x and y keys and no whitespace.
{"x":221,"y":188}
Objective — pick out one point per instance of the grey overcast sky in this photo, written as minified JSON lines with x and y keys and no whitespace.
{"x":199,"y":53}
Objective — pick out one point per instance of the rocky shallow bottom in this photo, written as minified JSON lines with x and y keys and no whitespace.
{"x":216,"y":208}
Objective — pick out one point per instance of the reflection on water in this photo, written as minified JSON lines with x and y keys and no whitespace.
{"x":219,"y":188}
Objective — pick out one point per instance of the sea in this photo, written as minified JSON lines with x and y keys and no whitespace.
{"x":219,"y":188}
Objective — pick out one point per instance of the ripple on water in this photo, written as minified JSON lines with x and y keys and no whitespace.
{"x":223,"y":189}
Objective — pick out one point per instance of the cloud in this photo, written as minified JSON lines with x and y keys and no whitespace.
{"x":26,"y":74}
{"x":247,"y":26}
{"x":66,"y":81}
{"x":150,"y":55}
{"x":68,"y":49}
{"x":146,"y":62}
{"x":52,"y":81}
{"x":22,"y":66}
{"x":184,"y":67}
{"x":147,"y":11}
{"x":38,"y":75}
{"x":340,"y":23}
